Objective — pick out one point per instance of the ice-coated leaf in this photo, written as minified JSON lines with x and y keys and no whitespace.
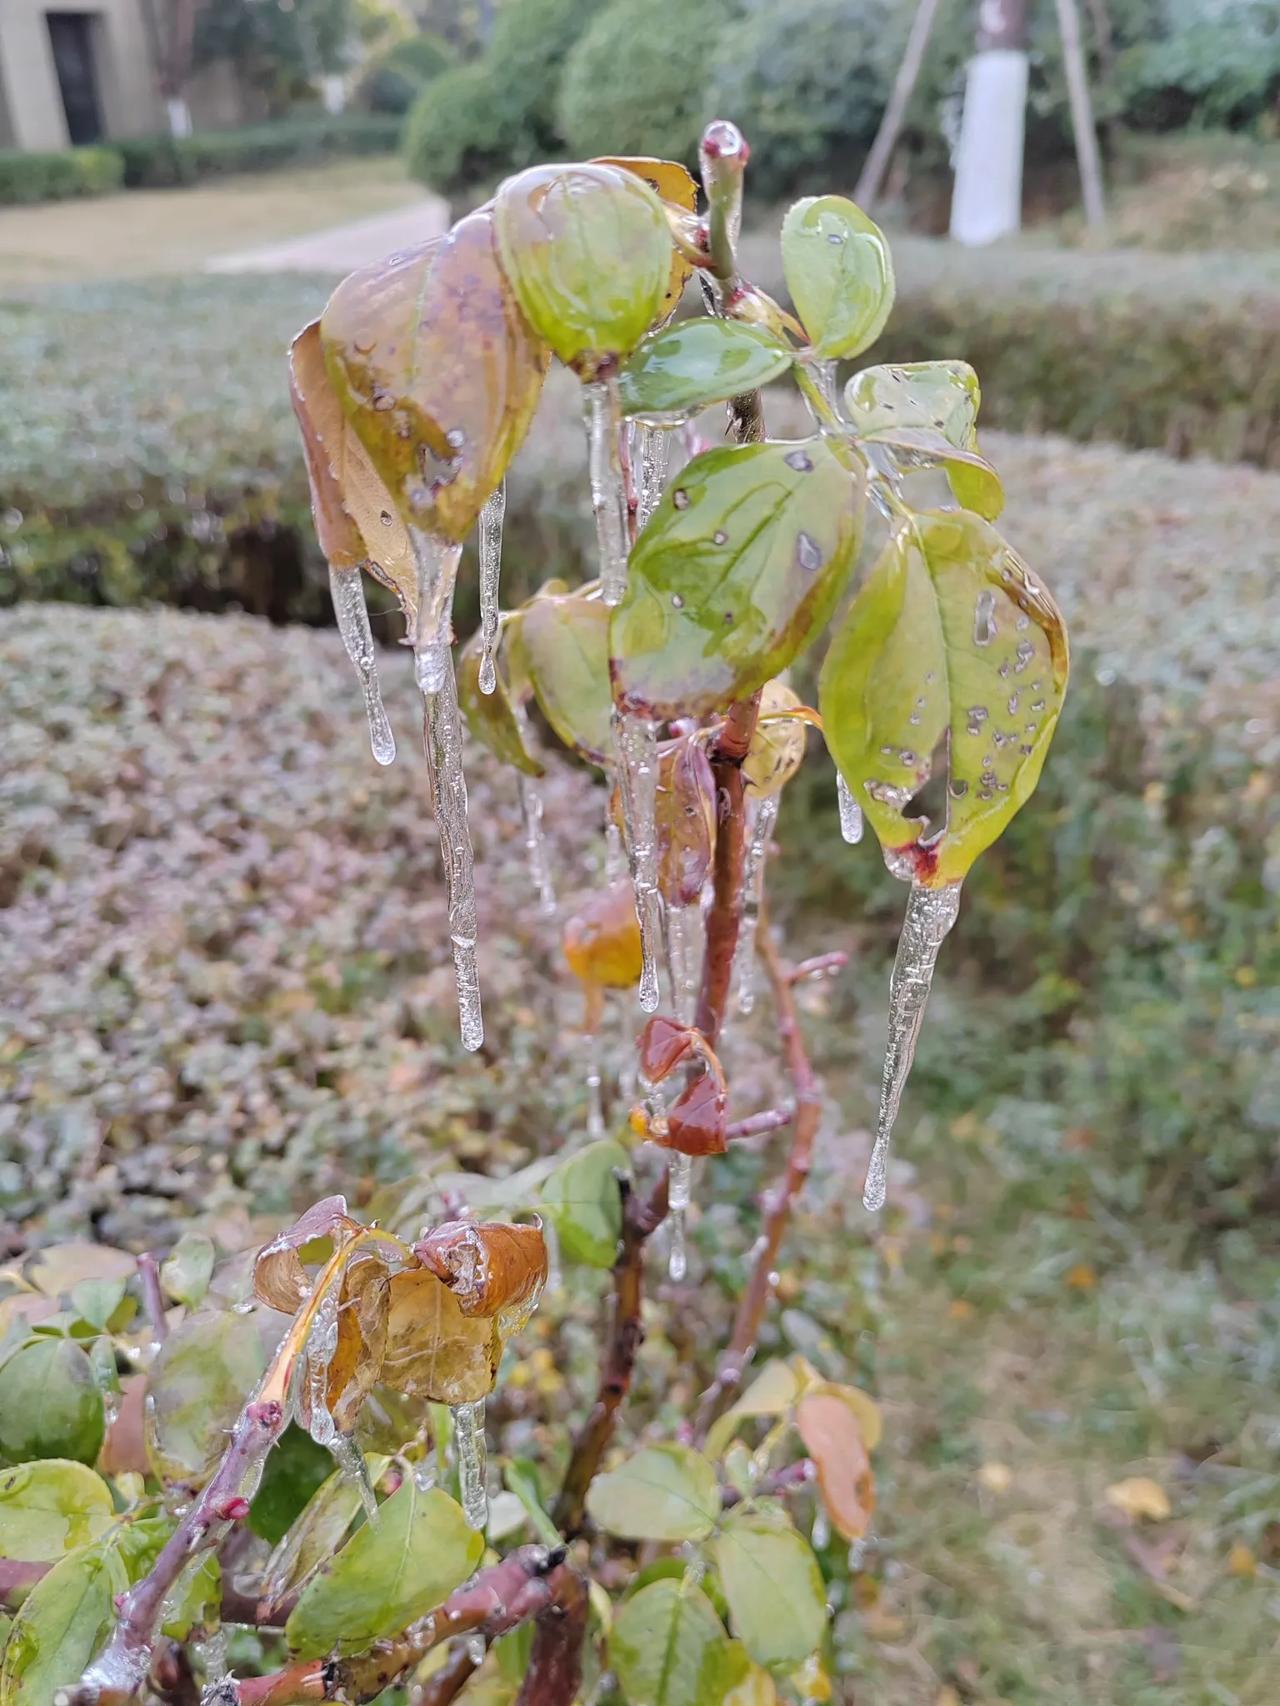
{"x":777,"y":743}
{"x":199,"y":1382}
{"x":279,"y":1276}
{"x":602,"y":939}
{"x":315,"y":1534}
{"x":829,"y":1429}
{"x":840,"y":274}
{"x":437,"y":372}
{"x":685,"y":819}
{"x":587,"y":251}
{"x":668,"y":1647}
{"x":742,"y":563}
{"x":356,"y":1363}
{"x":698,"y":1119}
{"x":698,"y":362}
{"x":492,"y":718}
{"x":772,"y":1393}
{"x":495,"y":1269}
{"x":195,"y":1602}
{"x":949,"y":638}
{"x":434,"y":1351}
{"x":51,"y":1507}
{"x":564,"y":645}
{"x":187,"y":1269}
{"x":60,"y":1625}
{"x":389,"y":1573}
{"x":927,"y":411}
{"x":50,"y":1405}
{"x":671,"y":183}
{"x":771,"y":1580}
{"x":584,"y":1203}
{"x":664,"y":1492}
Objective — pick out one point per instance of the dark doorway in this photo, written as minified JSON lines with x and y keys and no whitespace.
{"x":71,"y":37}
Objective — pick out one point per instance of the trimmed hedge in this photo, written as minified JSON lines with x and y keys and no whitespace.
{"x":158,"y":162}
{"x":27,"y":178}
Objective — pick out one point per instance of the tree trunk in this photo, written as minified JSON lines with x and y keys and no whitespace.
{"x":986,"y":201}
{"x":871,"y":180}
{"x":1081,"y":115}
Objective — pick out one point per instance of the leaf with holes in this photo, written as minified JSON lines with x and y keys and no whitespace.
{"x":950,"y":640}
{"x":839,"y":272}
{"x":740,"y":566}
{"x":777,"y":1603}
{"x":696,"y":363}
{"x":926,"y":411}
{"x":668,"y":1647}
{"x":564,"y":646}
{"x":665,"y":1492}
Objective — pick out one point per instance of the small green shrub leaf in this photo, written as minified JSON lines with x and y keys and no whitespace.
{"x":199,"y":1381}
{"x":927,"y":411}
{"x":60,"y":1626}
{"x":665,"y":1492}
{"x":195,"y":1602}
{"x":839,"y":272}
{"x":773,"y":1585}
{"x":315,"y":1535}
{"x":565,"y":648}
{"x":521,"y":1477}
{"x":949,"y":639}
{"x":698,"y":362}
{"x":492,"y":718}
{"x":50,"y":1405}
{"x":295,"y":1470}
{"x":51,"y":1507}
{"x":667,"y":1647}
{"x":741,"y":564}
{"x":187,"y":1269}
{"x":391,"y":1571}
{"x":584,"y":1204}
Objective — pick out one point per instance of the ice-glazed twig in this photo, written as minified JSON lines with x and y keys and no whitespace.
{"x":636,"y":744}
{"x":491,"y":518}
{"x":443,"y":743}
{"x":346,"y":587}
{"x":608,"y":494}
{"x":763,"y":825}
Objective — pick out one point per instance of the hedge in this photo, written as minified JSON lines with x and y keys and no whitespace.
{"x":26,"y":178}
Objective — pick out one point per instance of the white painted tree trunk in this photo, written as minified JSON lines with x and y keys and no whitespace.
{"x":179,"y":115}
{"x":986,"y":202}
{"x":333,"y":92}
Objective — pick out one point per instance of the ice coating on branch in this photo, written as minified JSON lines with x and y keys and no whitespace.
{"x":851,"y":824}
{"x":469,"y":1442}
{"x":636,"y":742}
{"x":679,"y":1191}
{"x":350,"y":1460}
{"x":608,"y":496}
{"x":762,"y":828}
{"x":683,"y":965}
{"x":491,"y":517}
{"x":322,"y":1342}
{"x":535,"y":846}
{"x":443,"y":742}
{"x":347,"y":588}
{"x":212,"y":1654}
{"x":652,"y":446}
{"x":437,"y":562}
{"x":930,"y":915}
{"x":595,"y":1085}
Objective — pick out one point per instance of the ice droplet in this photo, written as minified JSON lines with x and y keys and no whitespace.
{"x":347,"y":589}
{"x":491,"y":517}
{"x":636,"y":742}
{"x":437,"y":561}
{"x":608,"y":496}
{"x":679,"y":1191}
{"x":930,"y":915}
{"x":652,"y":446}
{"x":469,"y":1441}
{"x":535,"y":846}
{"x":322,"y":1342}
{"x":595,"y":1097}
{"x":851,"y":824}
{"x":443,"y":743}
{"x":762,"y":828}
{"x":350,"y":1460}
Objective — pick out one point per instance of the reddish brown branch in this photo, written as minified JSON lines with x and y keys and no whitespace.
{"x":152,"y":1295}
{"x":755,"y":1125}
{"x":723,"y":920}
{"x":554,"y":1675}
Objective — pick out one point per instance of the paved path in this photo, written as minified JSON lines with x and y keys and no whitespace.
{"x":341,"y":248}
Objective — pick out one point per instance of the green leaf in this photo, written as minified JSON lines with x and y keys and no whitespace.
{"x":295,"y":1470}
{"x":521,"y":1477}
{"x":50,"y":1405}
{"x":51,"y":1507}
{"x":741,"y":564}
{"x":686,"y":367}
{"x":187,"y":1269}
{"x":667,"y":1647}
{"x":587,"y":251}
{"x":584,"y":1203}
{"x":390,"y":1572}
{"x":927,"y":412}
{"x":102,"y":1304}
{"x":137,"y":1544}
{"x":565,"y":648}
{"x":771,"y":1579}
{"x":773,"y":1391}
{"x":60,"y":1626}
{"x":492,"y":718}
{"x":665,"y":1492}
{"x":195,"y":1601}
{"x":199,"y":1382}
{"x":840,"y":274}
{"x":949,"y":638}
{"x":316,"y":1534}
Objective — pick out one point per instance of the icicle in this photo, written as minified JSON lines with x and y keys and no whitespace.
{"x":652,"y":448}
{"x":683,"y":967}
{"x":636,"y":740}
{"x":608,"y":497}
{"x":679,"y":1190}
{"x":490,"y":565}
{"x":322,"y":1342}
{"x":850,"y":812}
{"x":350,"y":1460}
{"x":347,"y":588}
{"x":595,"y":1095}
{"x":469,"y":1442}
{"x":536,"y":847}
{"x":437,"y":561}
{"x":443,"y":740}
{"x":930,"y":914}
{"x":555,"y":1270}
{"x":212,"y":1653}
{"x":766,"y":819}
{"x":820,"y":1533}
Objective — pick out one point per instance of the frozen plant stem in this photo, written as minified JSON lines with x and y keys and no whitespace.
{"x":347,"y":589}
{"x":535,"y":846}
{"x":608,"y":494}
{"x":437,"y":564}
{"x":491,"y":517}
{"x":930,"y":915}
{"x":442,"y":739}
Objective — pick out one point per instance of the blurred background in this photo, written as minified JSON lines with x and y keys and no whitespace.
{"x":223,"y":985}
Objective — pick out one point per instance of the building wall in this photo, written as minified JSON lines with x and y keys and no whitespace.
{"x":31,"y":113}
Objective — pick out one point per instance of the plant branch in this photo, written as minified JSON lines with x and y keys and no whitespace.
{"x":152,"y":1295}
{"x":554,"y":1675}
{"x":727,"y":753}
{"x":755,"y":1125}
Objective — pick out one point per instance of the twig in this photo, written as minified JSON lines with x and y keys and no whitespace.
{"x":152,"y":1296}
{"x":821,"y":965}
{"x":723,"y":920}
{"x":755,"y":1125}
{"x":554,"y":1675}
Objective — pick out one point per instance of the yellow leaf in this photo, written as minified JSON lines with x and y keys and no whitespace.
{"x":995,"y":1477}
{"x":1241,"y":1561}
{"x":1081,"y":1278}
{"x":1139,"y":1496}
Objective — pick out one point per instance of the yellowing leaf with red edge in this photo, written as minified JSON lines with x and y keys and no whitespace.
{"x":1139,"y":1496}
{"x":834,"y":1441}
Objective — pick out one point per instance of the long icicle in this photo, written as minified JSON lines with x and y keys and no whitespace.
{"x":851,"y":823}
{"x":679,"y":1191}
{"x":535,"y":846}
{"x":595,"y":1084}
{"x":652,"y":448}
{"x":437,"y":563}
{"x":491,"y":518}
{"x":352,"y":613}
{"x":930,"y":915}
{"x":469,"y":1442}
{"x":684,"y":965}
{"x":636,"y":741}
{"x":443,"y":743}
{"x":766,"y":819}
{"x":608,"y":495}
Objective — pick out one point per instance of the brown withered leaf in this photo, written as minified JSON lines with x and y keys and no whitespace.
{"x":833,"y":1439}
{"x":437,"y":371}
{"x":279,"y":1278}
{"x":662,"y":1045}
{"x":685,"y":819}
{"x":356,"y":1364}
{"x":698,"y":1119}
{"x":494,"y":1269}
{"x":671,"y":183}
{"x":433,"y":1350}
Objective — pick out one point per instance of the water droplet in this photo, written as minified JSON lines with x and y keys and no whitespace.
{"x":680,"y":498}
{"x":808,"y":553}
{"x":677,"y":603}
{"x":799,"y":460}
{"x":719,"y":537}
